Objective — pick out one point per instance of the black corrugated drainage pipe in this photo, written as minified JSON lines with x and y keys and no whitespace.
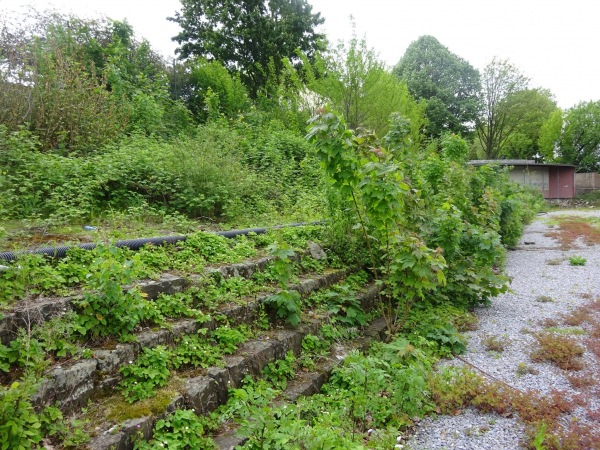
{"x":136,"y":244}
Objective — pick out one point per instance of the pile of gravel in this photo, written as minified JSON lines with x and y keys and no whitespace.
{"x":544,"y":285}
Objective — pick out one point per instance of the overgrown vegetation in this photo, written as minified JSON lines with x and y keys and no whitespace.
{"x":95,"y":128}
{"x":430,"y":224}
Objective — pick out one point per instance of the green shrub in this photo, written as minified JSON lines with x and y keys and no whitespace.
{"x":20,"y":427}
{"x":105,"y":309}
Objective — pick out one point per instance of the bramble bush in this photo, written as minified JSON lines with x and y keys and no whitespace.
{"x":433,"y":226}
{"x":221,"y":171}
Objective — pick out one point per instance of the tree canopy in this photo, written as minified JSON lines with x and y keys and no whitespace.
{"x":495,"y":125}
{"x":359,"y":86}
{"x":250,"y":36}
{"x":579,"y":142}
{"x":448,"y":83}
{"x":527,"y":111}
{"x":79,"y":83}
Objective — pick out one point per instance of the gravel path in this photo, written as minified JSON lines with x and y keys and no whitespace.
{"x":538,"y":267}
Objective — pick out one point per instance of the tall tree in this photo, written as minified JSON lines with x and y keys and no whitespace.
{"x":361,"y":87}
{"x":528,"y":111}
{"x":248,"y":36}
{"x":448,"y":83}
{"x":550,"y":133}
{"x":205,"y":85}
{"x":579,"y":142}
{"x":500,"y":80}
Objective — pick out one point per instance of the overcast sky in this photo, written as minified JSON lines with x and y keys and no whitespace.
{"x":554,"y":42}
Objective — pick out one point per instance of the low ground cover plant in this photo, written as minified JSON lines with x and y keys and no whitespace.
{"x":561,"y":350}
{"x":572,"y":229}
{"x":495,"y":343}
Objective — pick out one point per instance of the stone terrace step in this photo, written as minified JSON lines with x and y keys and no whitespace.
{"x":206,"y":393}
{"x":29,"y":312}
{"x":74,"y":385}
{"x":306,"y":384}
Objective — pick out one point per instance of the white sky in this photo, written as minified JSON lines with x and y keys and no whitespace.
{"x":554,"y":42}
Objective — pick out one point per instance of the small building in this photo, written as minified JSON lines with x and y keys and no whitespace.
{"x":553,"y":180}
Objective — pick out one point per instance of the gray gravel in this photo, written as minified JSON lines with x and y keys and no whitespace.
{"x":538,"y":267}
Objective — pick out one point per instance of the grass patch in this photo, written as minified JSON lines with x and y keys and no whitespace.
{"x":576,"y":331}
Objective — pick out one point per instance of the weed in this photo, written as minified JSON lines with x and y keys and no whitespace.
{"x":549,"y":322}
{"x":555,"y":261}
{"x":563,"y":351}
{"x":594,"y":305}
{"x":147,"y":373}
{"x":524,"y":369}
{"x":230,"y":338}
{"x":576,"y":436}
{"x":279,"y":372}
{"x":534,"y":407}
{"x":581,"y":381}
{"x":539,"y":437}
{"x":594,"y":415}
{"x":181,"y":429}
{"x":452,"y":389}
{"x":309,"y":264}
{"x":572,"y":229}
{"x":56,"y":336}
{"x":175,"y":306}
{"x":312,"y":348}
{"x":576,"y":317}
{"x":287,"y":305}
{"x":286,"y":302}
{"x":577,"y":261}
{"x":450,"y":342}
{"x":214,"y":290}
{"x":105,"y":309}
{"x":544,"y":299}
{"x":495,"y":343}
{"x":193,"y":351}
{"x":20,"y":426}
{"x":314,"y":345}
{"x":70,"y":434}
{"x":466,"y":322}
{"x":493,"y":397}
{"x":343,"y":306}
{"x":593,"y":345}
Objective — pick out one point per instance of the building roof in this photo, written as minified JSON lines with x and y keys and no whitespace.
{"x":514,"y":162}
